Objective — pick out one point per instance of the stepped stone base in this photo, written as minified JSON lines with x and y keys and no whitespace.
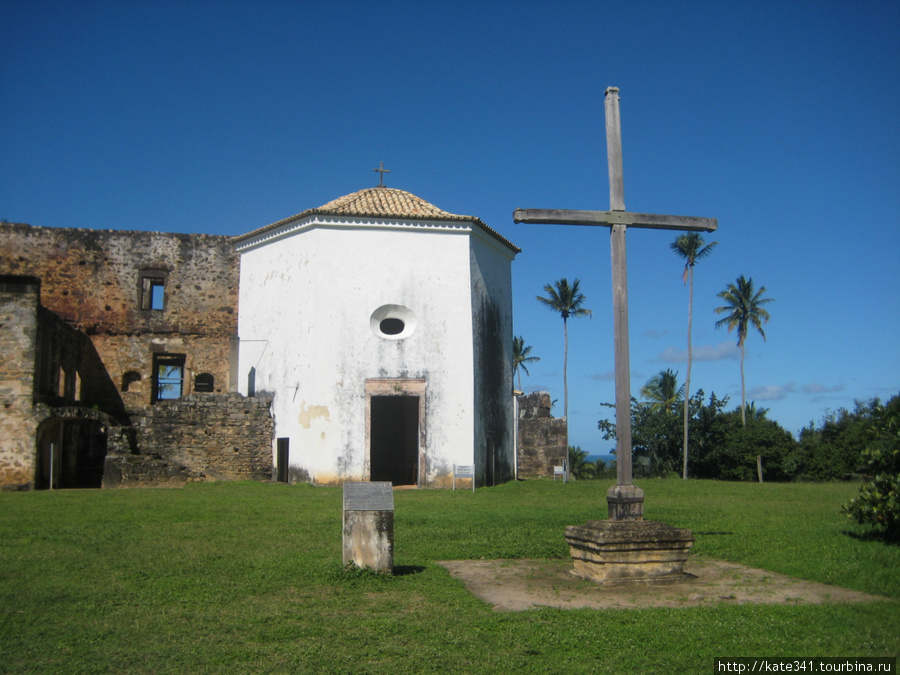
{"x":621,"y":552}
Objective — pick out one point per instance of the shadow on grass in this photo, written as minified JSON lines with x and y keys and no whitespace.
{"x":891,"y":539}
{"x":406,"y":570}
{"x":352,"y":575}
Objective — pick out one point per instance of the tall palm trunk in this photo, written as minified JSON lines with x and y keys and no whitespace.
{"x":565,"y":377}
{"x":687,"y":382}
{"x":743,"y":397}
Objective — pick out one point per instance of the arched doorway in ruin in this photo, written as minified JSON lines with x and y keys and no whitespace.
{"x":71,"y":447}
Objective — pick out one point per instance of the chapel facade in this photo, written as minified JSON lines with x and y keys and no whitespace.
{"x":381,"y":325}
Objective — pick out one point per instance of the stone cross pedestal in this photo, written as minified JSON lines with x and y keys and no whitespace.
{"x":620,"y":552}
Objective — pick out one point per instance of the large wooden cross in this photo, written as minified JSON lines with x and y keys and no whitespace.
{"x":625,"y":500}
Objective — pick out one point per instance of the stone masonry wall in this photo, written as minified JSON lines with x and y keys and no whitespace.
{"x":541,"y":438}
{"x":221,"y":436}
{"x":93,"y":279}
{"x":83,"y":314}
{"x":18,"y":335}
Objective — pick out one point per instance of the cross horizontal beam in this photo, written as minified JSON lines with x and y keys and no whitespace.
{"x":610,"y":218}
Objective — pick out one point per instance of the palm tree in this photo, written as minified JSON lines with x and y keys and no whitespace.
{"x":690,"y":247}
{"x":744,"y":308}
{"x":662,"y":391}
{"x":521,"y":357}
{"x":755,"y":413}
{"x":566,"y":300}
{"x":579,"y":467}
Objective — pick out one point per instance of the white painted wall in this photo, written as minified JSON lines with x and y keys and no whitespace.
{"x":306,"y":299}
{"x":491,"y":284}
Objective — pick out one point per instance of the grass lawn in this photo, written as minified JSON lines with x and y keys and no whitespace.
{"x":246,"y":577}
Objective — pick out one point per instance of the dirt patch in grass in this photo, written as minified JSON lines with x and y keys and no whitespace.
{"x":511,"y":585}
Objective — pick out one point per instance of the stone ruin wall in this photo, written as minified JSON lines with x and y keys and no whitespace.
{"x":92,"y":277}
{"x":92,"y":280}
{"x":541,"y":438}
{"x":125,"y":354}
{"x":90,"y":283}
{"x":198,"y":437}
{"x":18,"y":335}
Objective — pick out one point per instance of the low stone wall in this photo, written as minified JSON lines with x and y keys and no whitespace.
{"x":198,"y":437}
{"x":541,"y":438}
{"x":121,"y":471}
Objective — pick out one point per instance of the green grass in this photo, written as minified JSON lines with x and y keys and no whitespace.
{"x":246,"y":577}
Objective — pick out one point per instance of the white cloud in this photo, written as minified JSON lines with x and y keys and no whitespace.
{"x":817,"y":388}
{"x":771,"y":392}
{"x":608,"y":376}
{"x":720,"y":352}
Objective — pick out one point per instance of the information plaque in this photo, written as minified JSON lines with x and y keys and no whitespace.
{"x":464,"y":471}
{"x":369,"y":496}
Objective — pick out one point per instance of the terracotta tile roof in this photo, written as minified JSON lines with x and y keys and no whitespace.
{"x":384,"y":202}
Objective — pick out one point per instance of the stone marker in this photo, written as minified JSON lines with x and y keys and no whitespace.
{"x":626,"y":546}
{"x":369,"y":525}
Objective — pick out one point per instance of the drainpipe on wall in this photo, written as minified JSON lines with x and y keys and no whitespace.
{"x":516,"y":395}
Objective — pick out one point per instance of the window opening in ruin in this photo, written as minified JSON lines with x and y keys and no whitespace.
{"x":153,"y":290}
{"x":168,"y":376}
{"x":130,"y":380}
{"x":394,"y":439}
{"x":204,"y":382}
{"x":392,"y":326}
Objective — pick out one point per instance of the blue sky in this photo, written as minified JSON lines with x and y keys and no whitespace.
{"x":781,"y":119}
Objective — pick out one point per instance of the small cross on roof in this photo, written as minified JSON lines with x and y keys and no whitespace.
{"x":381,"y":170}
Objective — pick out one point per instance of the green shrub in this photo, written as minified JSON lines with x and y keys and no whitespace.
{"x":878,"y":503}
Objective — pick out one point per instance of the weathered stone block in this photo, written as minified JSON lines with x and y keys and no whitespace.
{"x":369,"y":540}
{"x":629,"y":551}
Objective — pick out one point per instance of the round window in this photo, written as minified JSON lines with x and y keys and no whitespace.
{"x":392,"y":326}
{"x":393,"y":322}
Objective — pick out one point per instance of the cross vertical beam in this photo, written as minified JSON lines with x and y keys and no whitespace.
{"x":625,"y":499}
{"x":620,"y":288}
{"x":614,"y":150}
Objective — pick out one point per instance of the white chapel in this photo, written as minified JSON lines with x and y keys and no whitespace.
{"x":382,"y":327}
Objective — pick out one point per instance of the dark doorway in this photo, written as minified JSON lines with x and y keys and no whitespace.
{"x":394,"y":439}
{"x":283,"y":459}
{"x":71,"y":453}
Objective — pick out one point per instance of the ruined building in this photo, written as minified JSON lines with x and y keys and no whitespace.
{"x":367,"y":339}
{"x":117,"y":358}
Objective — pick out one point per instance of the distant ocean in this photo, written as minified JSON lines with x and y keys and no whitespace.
{"x":605,"y":458}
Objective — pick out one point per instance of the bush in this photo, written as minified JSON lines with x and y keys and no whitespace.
{"x":878,"y":503}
